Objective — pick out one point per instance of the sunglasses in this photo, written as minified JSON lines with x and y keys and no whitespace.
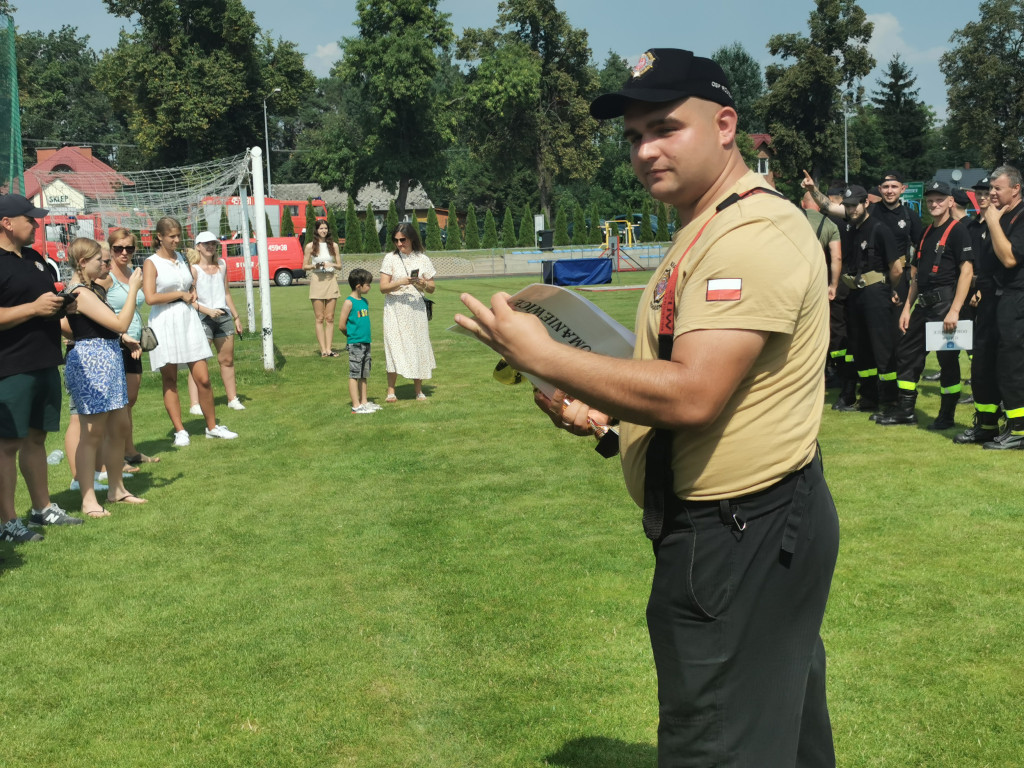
{"x":399,"y":239}
{"x":129,"y":249}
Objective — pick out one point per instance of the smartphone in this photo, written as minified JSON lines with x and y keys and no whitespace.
{"x":414,"y":274}
{"x":68,"y":298}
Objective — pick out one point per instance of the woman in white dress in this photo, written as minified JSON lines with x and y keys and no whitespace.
{"x":167,"y":283}
{"x":321,"y":260}
{"x":405,"y":275}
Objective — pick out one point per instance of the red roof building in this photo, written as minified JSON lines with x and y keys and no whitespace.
{"x":56,"y":170}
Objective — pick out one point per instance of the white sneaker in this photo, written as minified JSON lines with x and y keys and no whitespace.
{"x":236,"y":405}
{"x":76,"y":486}
{"x":222,"y":432}
{"x":196,"y":410}
{"x":372,"y":407}
{"x":181,"y":439}
{"x":362,"y":409}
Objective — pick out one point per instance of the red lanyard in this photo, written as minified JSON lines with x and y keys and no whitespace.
{"x":666,"y":329}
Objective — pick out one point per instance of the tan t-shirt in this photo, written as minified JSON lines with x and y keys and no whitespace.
{"x":757,"y":266}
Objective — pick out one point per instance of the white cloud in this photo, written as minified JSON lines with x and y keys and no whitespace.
{"x":888,"y":38}
{"x":323,"y":58}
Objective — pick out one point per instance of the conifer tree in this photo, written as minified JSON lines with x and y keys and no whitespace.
{"x":596,"y":233}
{"x":453,"y":240}
{"x":646,"y":233}
{"x":310,"y":219}
{"x":353,"y":231}
{"x":662,"y":223}
{"x":579,"y":226}
{"x":392,"y":219}
{"x":561,"y":228}
{"x":287,"y":227}
{"x":508,"y":230}
{"x":371,"y":235}
{"x":527,"y":238}
{"x":332,"y":222}
{"x":434,"y":242}
{"x":472,"y":230}
{"x":490,"y":231}
{"x":270,"y":229}
{"x":225,"y":224}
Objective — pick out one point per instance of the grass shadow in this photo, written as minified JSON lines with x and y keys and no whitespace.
{"x":603,"y":752}
{"x":10,"y":557}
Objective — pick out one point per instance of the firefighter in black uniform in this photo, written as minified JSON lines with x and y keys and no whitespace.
{"x":983,"y":308}
{"x":870,"y":262}
{"x":1006,"y":234}
{"x":940,"y":280}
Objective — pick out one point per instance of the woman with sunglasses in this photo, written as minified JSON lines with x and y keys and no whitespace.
{"x":94,"y":374}
{"x":122,"y":251}
{"x":405,"y":275}
{"x":321,"y":260}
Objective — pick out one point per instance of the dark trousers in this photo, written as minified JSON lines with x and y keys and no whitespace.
{"x":984,"y":385}
{"x":910,"y":353}
{"x":872,"y":337}
{"x":734,"y":618}
{"x":1010,"y":355}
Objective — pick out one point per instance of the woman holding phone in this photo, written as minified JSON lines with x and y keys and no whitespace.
{"x":405,"y":275}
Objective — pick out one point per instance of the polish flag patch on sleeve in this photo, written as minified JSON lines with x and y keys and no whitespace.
{"x":725,"y":289}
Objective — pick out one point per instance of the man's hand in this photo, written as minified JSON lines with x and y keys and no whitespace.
{"x":573,"y":416}
{"x":993,"y":215}
{"x":807,"y":182}
{"x":48,"y":305}
{"x":516,"y":336}
{"x":832,"y":292}
{"x":976,"y":298}
{"x":949,"y":321}
{"x":904,"y":319}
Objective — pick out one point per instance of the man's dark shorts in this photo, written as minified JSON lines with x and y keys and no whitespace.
{"x":29,"y":400}
{"x":359,"y":360}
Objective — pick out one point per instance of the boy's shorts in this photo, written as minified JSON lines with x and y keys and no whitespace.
{"x":359,"y":360}
{"x":29,"y":400}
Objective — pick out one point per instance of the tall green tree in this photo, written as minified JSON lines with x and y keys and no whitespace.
{"x":287,"y":227}
{"x":59,"y":102}
{"x":472,"y":230}
{"x":529,"y":86}
{"x":328,"y":136}
{"x":801,"y":104}
{"x":434,"y":242}
{"x":561,"y":237}
{"x":646,"y":231}
{"x":490,"y":239}
{"x":596,"y":235}
{"x":662,"y":233}
{"x":746,"y":83}
{"x":371,"y":234}
{"x":453,"y":240}
{"x":395,"y":61}
{"x":579,"y":226}
{"x":508,"y":230}
{"x":353,"y":230}
{"x":310,"y":219}
{"x":332,"y":223}
{"x":193,"y":75}
{"x":527,"y":238}
{"x":904,"y":119}
{"x":225,"y":223}
{"x":984,"y":73}
{"x":392,"y":218}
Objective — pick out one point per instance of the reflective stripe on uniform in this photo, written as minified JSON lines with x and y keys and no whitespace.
{"x":954,"y":390}
{"x":868,"y":373}
{"x":909,"y":386}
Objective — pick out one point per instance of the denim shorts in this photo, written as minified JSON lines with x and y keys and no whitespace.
{"x":219,"y":327}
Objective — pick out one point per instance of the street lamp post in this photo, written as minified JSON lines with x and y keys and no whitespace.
{"x":266,"y":135}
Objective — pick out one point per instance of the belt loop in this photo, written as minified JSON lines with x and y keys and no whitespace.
{"x":730,"y":518}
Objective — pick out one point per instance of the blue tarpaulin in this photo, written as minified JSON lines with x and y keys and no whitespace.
{"x":578,"y":272}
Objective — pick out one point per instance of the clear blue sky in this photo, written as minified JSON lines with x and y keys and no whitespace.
{"x":918,"y":31}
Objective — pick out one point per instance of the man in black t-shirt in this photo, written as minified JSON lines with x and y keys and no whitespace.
{"x":1006,"y":234}
{"x":870,"y":263}
{"x":940,"y":279}
{"x":29,"y":380}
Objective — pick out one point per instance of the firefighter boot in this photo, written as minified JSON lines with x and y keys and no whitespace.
{"x":903,"y":413}
{"x":947,"y":410}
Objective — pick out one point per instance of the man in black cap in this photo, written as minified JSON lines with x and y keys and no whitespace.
{"x":982,"y":306}
{"x":940,"y":279}
{"x":720,"y":408}
{"x":29,"y":380}
{"x":870,"y":265}
{"x":1005,"y":217}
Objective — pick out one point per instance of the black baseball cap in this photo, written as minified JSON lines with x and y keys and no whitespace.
{"x":663,"y":75}
{"x":960,"y":198}
{"x":16,"y":205}
{"x":853,"y":195}
{"x":983,"y":184}
{"x":938,"y":188}
{"x":892,"y":176}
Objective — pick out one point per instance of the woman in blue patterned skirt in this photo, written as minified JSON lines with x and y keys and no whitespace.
{"x":94,"y":373}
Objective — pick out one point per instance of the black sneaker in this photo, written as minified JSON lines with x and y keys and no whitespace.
{"x":52,"y":515}
{"x":15,"y":530}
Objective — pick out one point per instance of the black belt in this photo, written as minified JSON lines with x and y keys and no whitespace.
{"x":935,"y":296}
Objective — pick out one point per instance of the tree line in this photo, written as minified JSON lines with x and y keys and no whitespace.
{"x":495,"y":119}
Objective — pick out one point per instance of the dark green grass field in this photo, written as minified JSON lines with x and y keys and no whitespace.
{"x":455,"y":583}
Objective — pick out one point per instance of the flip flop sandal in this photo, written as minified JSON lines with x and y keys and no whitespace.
{"x":141,"y":458}
{"x":101,"y":512}
{"x":128,"y":469}
{"x":128,"y":498}
{"x":390,"y":399}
